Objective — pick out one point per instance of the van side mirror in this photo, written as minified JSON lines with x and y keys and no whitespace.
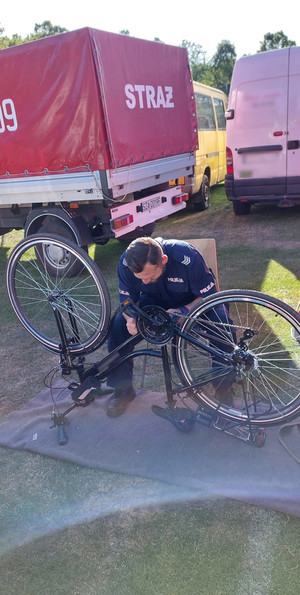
{"x":229,"y":114}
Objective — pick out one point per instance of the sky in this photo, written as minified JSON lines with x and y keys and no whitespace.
{"x":244,"y":24}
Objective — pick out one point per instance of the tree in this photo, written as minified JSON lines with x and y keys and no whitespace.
{"x":195,"y":53}
{"x":218,"y":71}
{"x":222,"y":64}
{"x":275,"y":41}
{"x":45,"y":29}
{"x":199,"y":68}
{"x":6,"y":42}
{"x":203,"y":74}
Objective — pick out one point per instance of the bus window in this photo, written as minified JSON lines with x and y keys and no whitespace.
{"x":210,"y":166}
{"x":219,"y":107}
{"x":205,"y":112}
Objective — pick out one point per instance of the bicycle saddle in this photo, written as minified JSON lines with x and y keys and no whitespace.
{"x":182,"y":418}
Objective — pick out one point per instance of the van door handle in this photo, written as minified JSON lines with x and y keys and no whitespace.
{"x":293,"y":144}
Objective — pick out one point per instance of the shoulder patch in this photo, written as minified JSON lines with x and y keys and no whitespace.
{"x":186,"y":260}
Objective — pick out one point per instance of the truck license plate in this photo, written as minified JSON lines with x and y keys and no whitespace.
{"x":151,"y":204}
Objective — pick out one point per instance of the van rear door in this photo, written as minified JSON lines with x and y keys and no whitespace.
{"x":257,"y":132}
{"x":293,"y":138}
{"x":261,"y":124}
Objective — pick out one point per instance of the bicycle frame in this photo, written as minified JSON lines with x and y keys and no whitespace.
{"x":90,"y":379}
{"x":114,"y":359}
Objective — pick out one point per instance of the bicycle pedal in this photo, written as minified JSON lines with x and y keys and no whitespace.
{"x":85,"y":390}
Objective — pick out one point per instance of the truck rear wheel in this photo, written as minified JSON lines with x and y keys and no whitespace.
{"x":241,"y":208}
{"x":58,"y":261}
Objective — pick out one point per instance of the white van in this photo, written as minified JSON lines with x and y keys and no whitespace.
{"x":263,"y":131}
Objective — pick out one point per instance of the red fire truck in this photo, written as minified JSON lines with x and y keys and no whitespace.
{"x":93,"y":127}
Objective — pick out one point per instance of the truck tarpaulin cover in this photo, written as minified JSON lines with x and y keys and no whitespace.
{"x":96,"y":99}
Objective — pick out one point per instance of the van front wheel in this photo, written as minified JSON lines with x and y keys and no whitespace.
{"x":204,"y":195}
{"x":241,"y":208}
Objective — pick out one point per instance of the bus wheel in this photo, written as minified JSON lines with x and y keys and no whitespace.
{"x":204,"y":196}
{"x":241,"y":208}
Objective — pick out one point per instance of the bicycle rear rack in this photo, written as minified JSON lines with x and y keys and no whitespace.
{"x":255,"y":436}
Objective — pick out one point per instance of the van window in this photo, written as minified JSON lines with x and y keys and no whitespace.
{"x":219,"y":107}
{"x":205,"y":112}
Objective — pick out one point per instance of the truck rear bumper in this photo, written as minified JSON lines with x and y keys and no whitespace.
{"x":127,"y":217}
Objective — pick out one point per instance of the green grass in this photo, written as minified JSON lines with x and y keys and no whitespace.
{"x":215,"y":547}
{"x":69,"y":529}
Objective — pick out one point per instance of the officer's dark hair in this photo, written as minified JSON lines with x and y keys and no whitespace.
{"x":141,"y":251}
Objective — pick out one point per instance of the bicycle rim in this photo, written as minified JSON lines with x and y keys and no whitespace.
{"x":36,"y":291}
{"x":256,"y":372}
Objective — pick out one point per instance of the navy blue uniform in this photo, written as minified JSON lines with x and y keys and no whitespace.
{"x":185,"y":277}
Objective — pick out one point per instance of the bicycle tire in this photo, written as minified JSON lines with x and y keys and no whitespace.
{"x":259,"y":358}
{"x":35,"y":291}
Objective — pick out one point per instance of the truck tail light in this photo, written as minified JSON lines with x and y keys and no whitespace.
{"x":229,"y":160}
{"x":121,"y":221}
{"x":176,"y":200}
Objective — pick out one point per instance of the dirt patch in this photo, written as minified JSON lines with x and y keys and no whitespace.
{"x":266,"y":227}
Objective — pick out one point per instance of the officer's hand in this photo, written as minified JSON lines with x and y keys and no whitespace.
{"x":175,"y":314}
{"x":131,"y":325}
{"x":172,"y":311}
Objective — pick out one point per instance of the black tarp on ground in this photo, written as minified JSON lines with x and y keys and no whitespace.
{"x":140,"y":443}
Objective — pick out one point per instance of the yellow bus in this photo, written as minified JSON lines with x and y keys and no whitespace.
{"x":210,"y":168}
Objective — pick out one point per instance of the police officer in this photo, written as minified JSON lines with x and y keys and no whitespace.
{"x":166,"y":273}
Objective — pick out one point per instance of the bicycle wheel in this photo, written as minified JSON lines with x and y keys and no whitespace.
{"x":239,"y":351}
{"x":37,"y":292}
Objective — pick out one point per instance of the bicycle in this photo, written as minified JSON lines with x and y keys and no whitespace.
{"x":239,"y":339}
